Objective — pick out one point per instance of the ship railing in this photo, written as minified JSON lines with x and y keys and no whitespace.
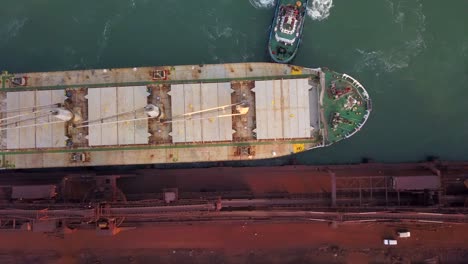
{"x":368,"y":101}
{"x":358,"y":84}
{"x":366,"y":116}
{"x":320,"y":145}
{"x":227,"y":77}
{"x":288,"y":41}
{"x":369,"y":104}
{"x":365,"y":95}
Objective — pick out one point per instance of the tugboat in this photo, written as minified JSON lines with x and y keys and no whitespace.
{"x":286,"y":30}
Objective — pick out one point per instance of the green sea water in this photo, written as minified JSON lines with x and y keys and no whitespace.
{"x":412,"y":56}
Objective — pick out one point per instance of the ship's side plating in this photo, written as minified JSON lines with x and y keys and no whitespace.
{"x":167,"y":114}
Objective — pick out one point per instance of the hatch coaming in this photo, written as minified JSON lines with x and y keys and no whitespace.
{"x":116,"y":115}
{"x":283,"y":110}
{"x":23,"y":110}
{"x":112,"y":127}
{"x":201,"y":112}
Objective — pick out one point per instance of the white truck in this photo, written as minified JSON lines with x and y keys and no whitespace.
{"x":390,"y":242}
{"x":404,"y":234}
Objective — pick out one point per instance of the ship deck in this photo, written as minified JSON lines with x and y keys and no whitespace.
{"x":110,"y":128}
{"x":347,"y":106}
{"x":204,"y":113}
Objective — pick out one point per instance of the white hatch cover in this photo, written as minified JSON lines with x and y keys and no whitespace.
{"x":117,"y":104}
{"x":282,"y":109}
{"x":205,"y":126}
{"x":31,"y":110}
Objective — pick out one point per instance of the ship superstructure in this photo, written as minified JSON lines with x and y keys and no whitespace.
{"x":169,"y":114}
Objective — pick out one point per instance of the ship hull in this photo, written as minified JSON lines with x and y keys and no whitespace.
{"x":124,"y":137}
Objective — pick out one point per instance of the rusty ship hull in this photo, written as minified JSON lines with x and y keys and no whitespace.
{"x":171,"y":114}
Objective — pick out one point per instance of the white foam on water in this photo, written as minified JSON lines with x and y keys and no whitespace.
{"x":464,"y":48}
{"x":391,"y":60}
{"x":316,"y":9}
{"x":319,"y":9}
{"x":388,"y":61}
{"x":12,"y":29}
{"x":105,"y":32}
{"x":402,"y":13}
{"x":262,"y":3}
{"x":411,"y":20}
{"x":400,"y":18}
{"x":224,"y":32}
{"x":217,"y":32}
{"x":390,"y":5}
{"x":104,"y":38}
{"x":247,"y":57}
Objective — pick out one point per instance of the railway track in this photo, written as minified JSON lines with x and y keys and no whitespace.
{"x":238,"y":209}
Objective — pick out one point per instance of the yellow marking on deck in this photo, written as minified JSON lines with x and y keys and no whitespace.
{"x":298,"y":148}
{"x":296,"y":70}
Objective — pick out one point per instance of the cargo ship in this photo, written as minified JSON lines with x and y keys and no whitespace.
{"x":286,"y":30}
{"x":171,"y":114}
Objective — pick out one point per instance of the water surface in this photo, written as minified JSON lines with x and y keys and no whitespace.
{"x":412,"y":56}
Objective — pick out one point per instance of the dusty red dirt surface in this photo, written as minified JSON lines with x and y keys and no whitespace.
{"x":244,"y":242}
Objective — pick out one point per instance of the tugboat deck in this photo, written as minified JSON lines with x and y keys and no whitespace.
{"x":286,"y":30}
